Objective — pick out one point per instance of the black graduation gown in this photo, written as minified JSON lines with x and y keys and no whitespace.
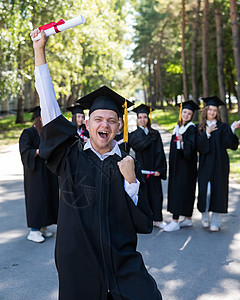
{"x":182,"y":174}
{"x":150,"y":154}
{"x":214,"y":167}
{"x":97,"y":224}
{"x":122,"y":146}
{"x":40,"y":185}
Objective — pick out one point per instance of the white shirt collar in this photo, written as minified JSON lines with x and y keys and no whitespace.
{"x":211,"y":123}
{"x":145,"y":129}
{"x":115,"y":150}
{"x":183,"y":128}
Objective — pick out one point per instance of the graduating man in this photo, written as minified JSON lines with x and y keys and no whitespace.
{"x":101,"y":206}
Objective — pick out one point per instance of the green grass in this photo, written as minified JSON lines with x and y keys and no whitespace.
{"x":168,"y":119}
{"x":10,"y":131}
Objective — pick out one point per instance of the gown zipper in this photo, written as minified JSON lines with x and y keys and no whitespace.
{"x":101,"y":242}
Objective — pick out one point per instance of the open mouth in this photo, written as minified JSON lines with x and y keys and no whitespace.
{"x":103,"y":134}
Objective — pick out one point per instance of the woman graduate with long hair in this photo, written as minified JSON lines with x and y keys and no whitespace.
{"x":182,"y":168}
{"x":148,"y":147}
{"x":213,"y":140}
{"x":78,"y":118}
{"x":40,"y":185}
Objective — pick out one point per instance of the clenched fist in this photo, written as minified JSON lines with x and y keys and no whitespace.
{"x":127,"y":169}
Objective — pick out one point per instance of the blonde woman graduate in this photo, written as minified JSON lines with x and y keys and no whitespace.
{"x":213,"y":140}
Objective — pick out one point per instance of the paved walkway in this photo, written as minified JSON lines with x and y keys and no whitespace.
{"x":191,"y":264}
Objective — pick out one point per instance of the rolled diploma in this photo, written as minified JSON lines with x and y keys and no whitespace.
{"x":145,"y":172}
{"x":178,"y":142}
{"x":67,"y":25}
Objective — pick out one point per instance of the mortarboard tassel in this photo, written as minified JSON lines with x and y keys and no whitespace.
{"x":125,"y":127}
{"x":180,"y":112}
{"x":68,"y":116}
{"x":177,"y":127}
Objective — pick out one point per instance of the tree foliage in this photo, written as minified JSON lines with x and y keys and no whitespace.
{"x":80,"y":59}
{"x":152,"y":16}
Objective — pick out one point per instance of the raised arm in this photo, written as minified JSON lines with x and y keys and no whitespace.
{"x":48,"y":102}
{"x":39,"y":48}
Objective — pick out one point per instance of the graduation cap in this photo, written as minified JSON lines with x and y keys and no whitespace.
{"x":36,"y":111}
{"x":190,"y":104}
{"x":77,"y":109}
{"x":213,"y":100}
{"x":142,"y":108}
{"x":104,"y":98}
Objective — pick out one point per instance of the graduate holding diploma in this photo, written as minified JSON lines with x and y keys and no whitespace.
{"x":40,"y":185}
{"x":213,"y":140}
{"x":182,"y":168}
{"x":78,"y":118}
{"x":148,"y":146}
{"x":102,"y":203}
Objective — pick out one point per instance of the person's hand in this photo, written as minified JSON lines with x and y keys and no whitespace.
{"x":40,"y":44}
{"x":179,"y":137}
{"x":211,"y":128}
{"x":235,"y":124}
{"x":37,"y":152}
{"x":39,"y":47}
{"x":127,"y":169}
{"x":157,"y":174}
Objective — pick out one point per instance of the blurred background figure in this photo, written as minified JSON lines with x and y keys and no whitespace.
{"x":213,"y":140}
{"x":119,"y":136}
{"x":182,"y":169}
{"x":78,"y":118}
{"x":148,"y":147}
{"x":40,"y":185}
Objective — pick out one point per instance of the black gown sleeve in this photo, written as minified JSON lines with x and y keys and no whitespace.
{"x":56,"y":137}
{"x":230,"y":140}
{"x":203,"y":144}
{"x":138,"y":140}
{"x":189,"y":142}
{"x":27,"y":150}
{"x":160,"y":163}
{"x":141,"y":214}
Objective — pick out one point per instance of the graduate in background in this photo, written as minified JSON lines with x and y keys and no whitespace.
{"x":148,"y":147}
{"x":78,"y":118}
{"x":119,"y":136}
{"x":102,"y":205}
{"x":182,"y":168}
{"x":40,"y":185}
{"x":213,"y":140}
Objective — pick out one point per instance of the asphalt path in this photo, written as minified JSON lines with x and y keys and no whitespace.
{"x":190,"y":264}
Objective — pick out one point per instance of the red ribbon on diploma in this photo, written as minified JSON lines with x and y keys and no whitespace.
{"x":151,"y":173}
{"x":52,"y":24}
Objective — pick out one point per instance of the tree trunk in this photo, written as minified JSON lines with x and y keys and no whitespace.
{"x":159,"y":79}
{"x":20,"y":106}
{"x":204,"y":50}
{"x":150,"y":78}
{"x":236,"y":46}
{"x":194,"y":59}
{"x":220,"y":65}
{"x":232,"y":86}
{"x":185,"y":88}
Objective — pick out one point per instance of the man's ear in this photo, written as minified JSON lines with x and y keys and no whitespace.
{"x":87,"y":124}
